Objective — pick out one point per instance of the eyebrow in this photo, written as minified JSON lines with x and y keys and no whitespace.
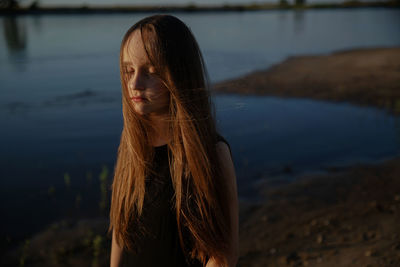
{"x":125,"y":63}
{"x":128,"y":64}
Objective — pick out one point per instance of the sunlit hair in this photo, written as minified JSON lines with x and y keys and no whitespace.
{"x":200,"y":198}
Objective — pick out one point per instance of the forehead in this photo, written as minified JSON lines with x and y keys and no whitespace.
{"x":133,"y":51}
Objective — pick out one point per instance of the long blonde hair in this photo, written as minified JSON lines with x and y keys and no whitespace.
{"x":200,"y":201}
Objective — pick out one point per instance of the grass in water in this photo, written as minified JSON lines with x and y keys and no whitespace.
{"x":103,"y":188}
{"x":67,"y":180}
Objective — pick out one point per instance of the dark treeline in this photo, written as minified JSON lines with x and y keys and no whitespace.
{"x":14,"y":7}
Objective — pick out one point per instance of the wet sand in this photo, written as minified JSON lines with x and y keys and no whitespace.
{"x":348,"y":217}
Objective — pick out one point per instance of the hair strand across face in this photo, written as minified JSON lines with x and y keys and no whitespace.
{"x":200,"y":200}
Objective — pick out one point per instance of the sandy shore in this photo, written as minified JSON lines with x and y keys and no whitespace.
{"x":349,"y":217}
{"x":346,"y":218}
{"x":364,"y":77}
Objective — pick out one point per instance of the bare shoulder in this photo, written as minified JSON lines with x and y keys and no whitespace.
{"x":225,"y":159}
{"x":223,"y":151}
{"x":230,"y":191}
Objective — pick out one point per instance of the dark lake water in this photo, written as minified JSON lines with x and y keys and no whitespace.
{"x":60,"y":111}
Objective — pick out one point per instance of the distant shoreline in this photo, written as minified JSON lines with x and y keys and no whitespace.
{"x":85,"y":9}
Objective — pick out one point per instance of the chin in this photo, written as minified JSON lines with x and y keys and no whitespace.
{"x":139,"y":111}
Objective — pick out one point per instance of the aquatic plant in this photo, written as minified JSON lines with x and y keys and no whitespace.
{"x":97,"y":245}
{"x":103,"y":188}
{"x":24,"y":253}
{"x":87,"y":241}
{"x":67,"y":179}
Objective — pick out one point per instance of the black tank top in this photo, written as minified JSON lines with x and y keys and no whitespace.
{"x":156,"y":232}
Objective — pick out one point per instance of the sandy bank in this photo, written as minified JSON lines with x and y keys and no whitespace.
{"x":347,"y":218}
{"x":364,"y":76}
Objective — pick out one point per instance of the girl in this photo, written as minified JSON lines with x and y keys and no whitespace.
{"x":174,"y":196}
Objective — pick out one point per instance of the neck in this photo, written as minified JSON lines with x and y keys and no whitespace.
{"x":160,"y":133}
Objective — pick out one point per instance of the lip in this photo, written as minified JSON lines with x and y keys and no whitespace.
{"x":137,"y":99}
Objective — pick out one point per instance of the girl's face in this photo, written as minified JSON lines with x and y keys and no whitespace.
{"x":147,"y":92}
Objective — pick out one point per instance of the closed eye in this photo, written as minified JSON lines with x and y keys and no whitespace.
{"x":128,"y":71}
{"x":152,"y":70}
{"x":152,"y":74}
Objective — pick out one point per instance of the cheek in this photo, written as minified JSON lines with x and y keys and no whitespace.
{"x":163,"y":97}
{"x":159,"y":91}
{"x":127,"y":91}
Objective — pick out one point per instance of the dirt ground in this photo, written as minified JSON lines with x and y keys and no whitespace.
{"x":345,"y":218}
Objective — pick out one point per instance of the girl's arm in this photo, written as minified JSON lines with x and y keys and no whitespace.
{"x":228,"y":172}
{"x":116,"y":252}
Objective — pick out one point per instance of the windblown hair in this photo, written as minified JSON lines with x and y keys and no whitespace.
{"x":200,"y":201}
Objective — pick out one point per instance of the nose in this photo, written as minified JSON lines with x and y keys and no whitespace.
{"x":137,"y":81}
